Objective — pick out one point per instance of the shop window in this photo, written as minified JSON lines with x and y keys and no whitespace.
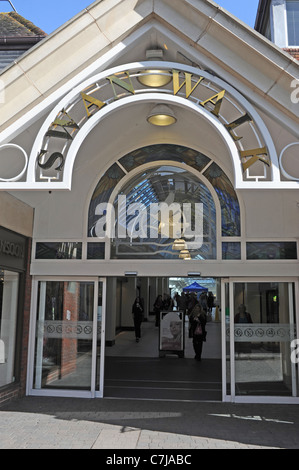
{"x":271,"y":250}
{"x":58,"y":250}
{"x":9,"y":285}
{"x":292,"y":8}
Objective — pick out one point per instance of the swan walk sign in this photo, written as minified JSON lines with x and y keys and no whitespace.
{"x":244,"y":134}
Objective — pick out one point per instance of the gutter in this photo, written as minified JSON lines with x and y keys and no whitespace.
{"x":19,"y":43}
{"x":261,"y":13}
{"x":20,"y":40}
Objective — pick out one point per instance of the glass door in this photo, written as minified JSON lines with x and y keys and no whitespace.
{"x":68,"y":331}
{"x":260,"y":323}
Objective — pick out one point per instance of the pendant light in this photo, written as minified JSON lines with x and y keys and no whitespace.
{"x":162,"y":116}
{"x":154,"y":78}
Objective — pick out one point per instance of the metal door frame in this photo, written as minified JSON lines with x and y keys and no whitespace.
{"x":96,"y":389}
{"x":293,"y":317}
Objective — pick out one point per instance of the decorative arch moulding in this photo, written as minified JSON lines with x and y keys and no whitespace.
{"x":244,"y":134}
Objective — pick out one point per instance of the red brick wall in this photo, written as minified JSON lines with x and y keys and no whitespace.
{"x":294,"y":52}
{"x":9,"y":393}
{"x":70,"y":346}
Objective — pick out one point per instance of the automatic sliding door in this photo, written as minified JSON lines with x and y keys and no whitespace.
{"x":264,"y":326}
{"x":67,"y":344}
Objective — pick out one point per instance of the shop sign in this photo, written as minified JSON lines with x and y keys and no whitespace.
{"x":12,"y":250}
{"x":65,"y":128}
{"x":52,"y":156}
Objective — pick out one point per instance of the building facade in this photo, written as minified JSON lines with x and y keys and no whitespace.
{"x":17,"y":35}
{"x":278,"y":21}
{"x":152,"y":141}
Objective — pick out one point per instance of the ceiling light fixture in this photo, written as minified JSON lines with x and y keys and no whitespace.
{"x":179,"y":244}
{"x":161,"y":115}
{"x":154,"y":78}
{"x":185,"y":254}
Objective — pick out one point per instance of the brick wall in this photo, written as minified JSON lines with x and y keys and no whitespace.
{"x":294,"y":52}
{"x":69,"y":348}
{"x":9,"y":393}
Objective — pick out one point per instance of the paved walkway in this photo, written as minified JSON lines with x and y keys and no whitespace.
{"x":64,"y":423}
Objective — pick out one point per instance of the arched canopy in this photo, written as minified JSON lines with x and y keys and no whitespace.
{"x":229,"y":115}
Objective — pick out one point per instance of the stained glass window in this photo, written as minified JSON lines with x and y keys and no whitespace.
{"x":230,"y":209}
{"x":166,"y":182}
{"x":102,"y":194}
{"x":171,"y":153}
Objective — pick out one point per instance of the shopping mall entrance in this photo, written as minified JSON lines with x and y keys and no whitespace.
{"x":246,"y":357}
{"x":159,"y":365}
{"x":83,"y":341}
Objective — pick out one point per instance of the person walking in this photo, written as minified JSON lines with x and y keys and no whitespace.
{"x":198,"y":329}
{"x":158,"y":305}
{"x":137,"y":311}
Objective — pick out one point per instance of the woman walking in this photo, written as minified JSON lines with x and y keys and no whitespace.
{"x":137,"y":311}
{"x":198,"y":328}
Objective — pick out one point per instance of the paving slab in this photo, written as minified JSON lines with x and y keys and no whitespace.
{"x":70,"y":423}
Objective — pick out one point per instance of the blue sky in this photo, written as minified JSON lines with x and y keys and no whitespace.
{"x":50,"y":14}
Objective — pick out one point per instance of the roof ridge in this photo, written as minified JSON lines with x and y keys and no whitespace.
{"x":28,"y":24}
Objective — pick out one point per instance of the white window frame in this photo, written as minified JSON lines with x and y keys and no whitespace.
{"x":279,"y":24}
{"x":286,"y":26}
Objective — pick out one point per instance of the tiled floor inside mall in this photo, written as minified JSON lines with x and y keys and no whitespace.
{"x":135,"y":370}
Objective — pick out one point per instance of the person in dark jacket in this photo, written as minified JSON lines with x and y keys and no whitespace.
{"x":137,"y":311}
{"x":243,"y":316}
{"x":158,"y":306}
{"x":198,"y":322}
